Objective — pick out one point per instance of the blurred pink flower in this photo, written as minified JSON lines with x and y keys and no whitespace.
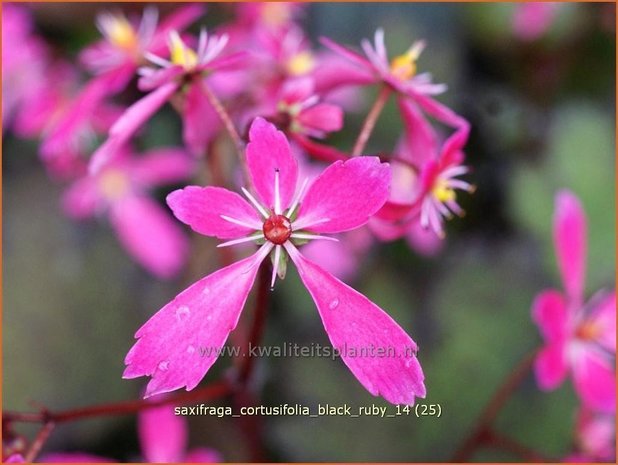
{"x":531,"y":20}
{"x":163,"y":438}
{"x":24,"y":60}
{"x":580,"y":338}
{"x":119,"y":190}
{"x":595,"y":435}
{"x":180,"y":76}
{"x":180,"y":343}
{"x":400,"y":73}
{"x":15,"y":458}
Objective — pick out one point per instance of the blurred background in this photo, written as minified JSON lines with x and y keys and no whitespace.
{"x":542,"y":111}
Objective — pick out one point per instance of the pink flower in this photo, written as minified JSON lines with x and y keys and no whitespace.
{"x":580,"y":338}
{"x":176,"y":346}
{"x":163,"y":438}
{"x":425,"y":179}
{"x":24,"y":59}
{"x":125,"y":43}
{"x":400,"y":73}
{"x":305,"y":113}
{"x":119,"y":190}
{"x":531,"y":20}
{"x":595,"y":435}
{"x":182,"y":74}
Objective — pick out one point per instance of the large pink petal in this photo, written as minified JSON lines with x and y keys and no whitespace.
{"x":180,"y":343}
{"x":164,"y":165}
{"x":595,"y":379}
{"x":150,"y":235}
{"x":570,"y":241}
{"x":163,"y":435}
{"x":267,"y":152}
{"x":200,"y":121}
{"x":550,"y":366}
{"x":603,"y":319}
{"x":179,"y":19}
{"x":130,"y":121}
{"x":202,"y":207}
{"x":345,"y":195}
{"x":550,"y":314}
{"x":356,"y":327}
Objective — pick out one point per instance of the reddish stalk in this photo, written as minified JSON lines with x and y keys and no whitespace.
{"x":38,"y":442}
{"x":482,"y":432}
{"x":370,"y":121}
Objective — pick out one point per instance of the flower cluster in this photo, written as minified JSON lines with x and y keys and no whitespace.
{"x":258,"y":75}
{"x":580,"y":336}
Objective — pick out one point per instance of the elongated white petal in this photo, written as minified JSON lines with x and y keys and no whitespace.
{"x":255,"y":203}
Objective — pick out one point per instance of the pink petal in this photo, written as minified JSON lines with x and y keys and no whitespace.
{"x":595,"y":380}
{"x":550,"y":314}
{"x":200,"y":121}
{"x":297,"y":90}
{"x":202,"y":207}
{"x":81,"y":199}
{"x":268,"y":151}
{"x":180,"y":343}
{"x":345,"y":195}
{"x":603,"y":317}
{"x":73,"y":457}
{"x":354,"y":323}
{"x":324,"y":117}
{"x":420,"y":138}
{"x":131,"y":120}
{"x":15,"y":458}
{"x":550,"y":366}
{"x":423,"y":241}
{"x":163,"y":436}
{"x":346,"y":52}
{"x":179,"y":19}
{"x":203,"y":455}
{"x":150,"y":235}
{"x":570,"y":241}
{"x":161,"y":166}
{"x":159,"y":77}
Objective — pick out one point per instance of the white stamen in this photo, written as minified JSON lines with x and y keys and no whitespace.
{"x":296,"y":200}
{"x":305,"y":222}
{"x":277,"y":193}
{"x":458,"y":184}
{"x":157,"y":60}
{"x":454,"y":171}
{"x":203,"y":42}
{"x":312,"y":236}
{"x":275,"y":265}
{"x":256,"y":225}
{"x":242,"y":240}
{"x":254,"y":202}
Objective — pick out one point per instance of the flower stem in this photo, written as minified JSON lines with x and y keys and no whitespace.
{"x":225,"y":118}
{"x":39,"y":441}
{"x":370,"y":121}
{"x":210,"y":392}
{"x":482,"y":432}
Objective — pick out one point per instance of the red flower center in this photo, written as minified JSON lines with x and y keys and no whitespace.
{"x":277,"y":229}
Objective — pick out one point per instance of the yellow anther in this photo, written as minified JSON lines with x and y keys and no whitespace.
{"x":114,"y":184}
{"x":443,"y":192}
{"x":120,"y":32}
{"x":275,"y":14}
{"x":404,"y":66}
{"x":588,"y":331}
{"x":180,"y":54}
{"x":301,"y":63}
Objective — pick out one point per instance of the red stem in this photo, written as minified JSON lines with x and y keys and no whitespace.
{"x":370,"y":121}
{"x":482,"y":431}
{"x":38,"y":442}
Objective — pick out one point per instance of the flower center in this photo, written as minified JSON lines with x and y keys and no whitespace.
{"x":114,"y":184}
{"x":587,"y":331}
{"x":120,"y":32}
{"x":404,"y":66}
{"x":180,"y":53}
{"x":443,"y":192}
{"x":277,"y":229}
{"x":301,"y":63}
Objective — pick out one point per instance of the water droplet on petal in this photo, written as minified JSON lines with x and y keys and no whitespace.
{"x":333,"y":304}
{"x":182,"y":313}
{"x":190,"y":349}
{"x":164,"y":365}
{"x":206,"y":291}
{"x":209,"y":317}
{"x":408,"y":363}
